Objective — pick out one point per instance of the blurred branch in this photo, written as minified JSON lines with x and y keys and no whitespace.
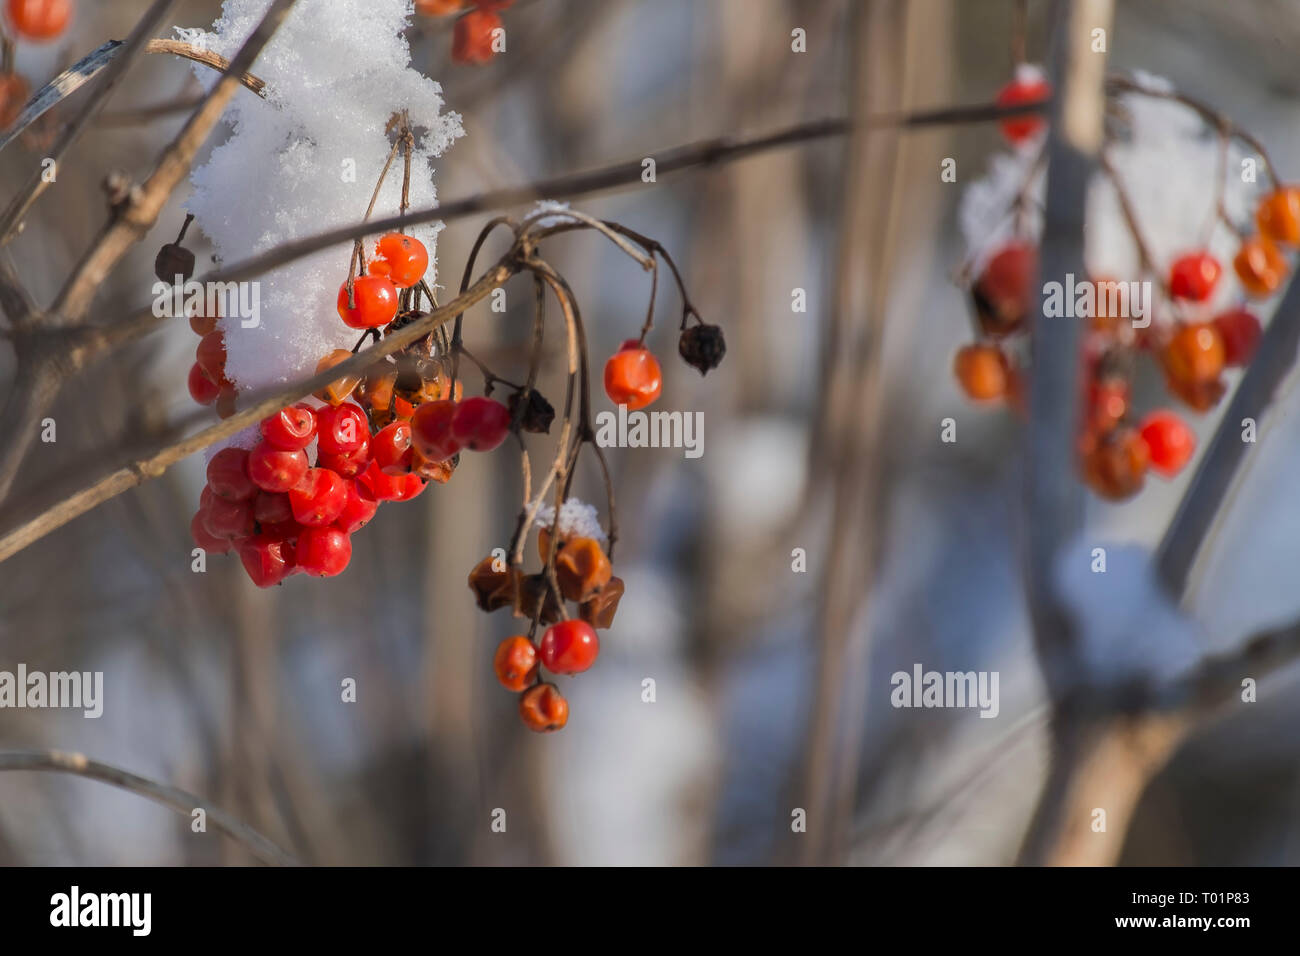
{"x":179,"y":800}
{"x":1054,"y":498}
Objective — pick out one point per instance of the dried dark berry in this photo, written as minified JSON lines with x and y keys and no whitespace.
{"x":537,"y":415}
{"x":702,"y":346}
{"x":174,"y":259}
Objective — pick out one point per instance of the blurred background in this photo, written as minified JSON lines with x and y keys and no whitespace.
{"x":821,"y":434}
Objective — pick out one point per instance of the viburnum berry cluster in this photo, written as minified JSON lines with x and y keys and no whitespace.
{"x":31,"y":21}
{"x":1194,"y":328}
{"x":474,"y":34}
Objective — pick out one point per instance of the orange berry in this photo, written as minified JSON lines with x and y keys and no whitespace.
{"x":1115,"y":464}
{"x":515,"y":663}
{"x":39,"y":20}
{"x":438,"y":8}
{"x":543,"y":708}
{"x":1278,"y":216}
{"x":1194,"y":354}
{"x":633,"y":377}
{"x":336,"y":392}
{"x":581,"y":568}
{"x":982,"y":371}
{"x":1260,"y":267}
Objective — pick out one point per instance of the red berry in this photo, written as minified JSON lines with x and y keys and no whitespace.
{"x":39,"y":20}
{"x":267,"y":558}
{"x":480,"y":424}
{"x":472,"y":38}
{"x":1194,"y":276}
{"x":402,"y":259}
{"x":515,"y":663}
{"x":569,"y":647}
{"x":431,"y":430}
{"x":228,"y":475}
{"x":1170,"y":441}
{"x":324,"y":551}
{"x":1240,"y":331}
{"x":211,"y":356}
{"x":318,"y":498}
{"x":341,"y":429}
{"x":632,"y":376}
{"x":1028,"y":86}
{"x":274,"y":469}
{"x":227,"y":401}
{"x":272,"y":510}
{"x":376,"y":302}
{"x":410,"y":486}
{"x":228,"y":519}
{"x":543,"y":708}
{"x":380,"y":486}
{"x":1004,"y":292}
{"x":202,"y":389}
{"x":346,"y":466}
{"x":290,"y":428}
{"x":358,"y":511}
{"x":204,"y":538}
{"x":390,"y":448}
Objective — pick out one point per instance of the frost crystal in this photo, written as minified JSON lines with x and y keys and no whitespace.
{"x":306,"y":160}
{"x":577,"y":519}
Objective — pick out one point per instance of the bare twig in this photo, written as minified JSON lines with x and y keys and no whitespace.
{"x":182,"y":801}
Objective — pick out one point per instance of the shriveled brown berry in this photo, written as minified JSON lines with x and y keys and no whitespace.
{"x":702,"y":347}
{"x":581,"y":568}
{"x":1115,"y":464}
{"x":536,"y":416}
{"x":493,"y":589}
{"x":599,"y":611}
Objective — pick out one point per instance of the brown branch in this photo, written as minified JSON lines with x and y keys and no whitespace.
{"x":124,"y":57}
{"x":208,"y":58}
{"x":182,"y":801}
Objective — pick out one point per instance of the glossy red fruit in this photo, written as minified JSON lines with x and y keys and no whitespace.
{"x":409,"y":486}
{"x":515,"y":663}
{"x":380,"y":486}
{"x":569,"y":647}
{"x":211,"y":356}
{"x":202,"y":389}
{"x":1170,"y":441}
{"x":632,"y":376}
{"x":473,"y":37}
{"x":324,"y":552}
{"x":290,"y":428}
{"x":267,"y":558}
{"x":204,"y":538}
{"x":431,"y":430}
{"x":358,"y":511}
{"x":375,"y":302}
{"x":1028,"y":86}
{"x":480,"y":424}
{"x":403,"y":259}
{"x":228,"y":519}
{"x":346,"y":466}
{"x":39,"y":20}
{"x":1194,"y":276}
{"x":318,"y":498}
{"x":341,"y":429}
{"x":271,"y":510}
{"x":228,"y":475}
{"x":1240,"y":331}
{"x":275,"y":469}
{"x":390,"y":448}
{"x":543,"y":708}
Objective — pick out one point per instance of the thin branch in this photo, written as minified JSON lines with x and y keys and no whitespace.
{"x":182,"y":801}
{"x":122,"y":60}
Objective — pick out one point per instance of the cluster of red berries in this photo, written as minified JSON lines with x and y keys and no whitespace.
{"x":284,"y":514}
{"x":1115,"y":450}
{"x":35,"y":21}
{"x":472,"y":38}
